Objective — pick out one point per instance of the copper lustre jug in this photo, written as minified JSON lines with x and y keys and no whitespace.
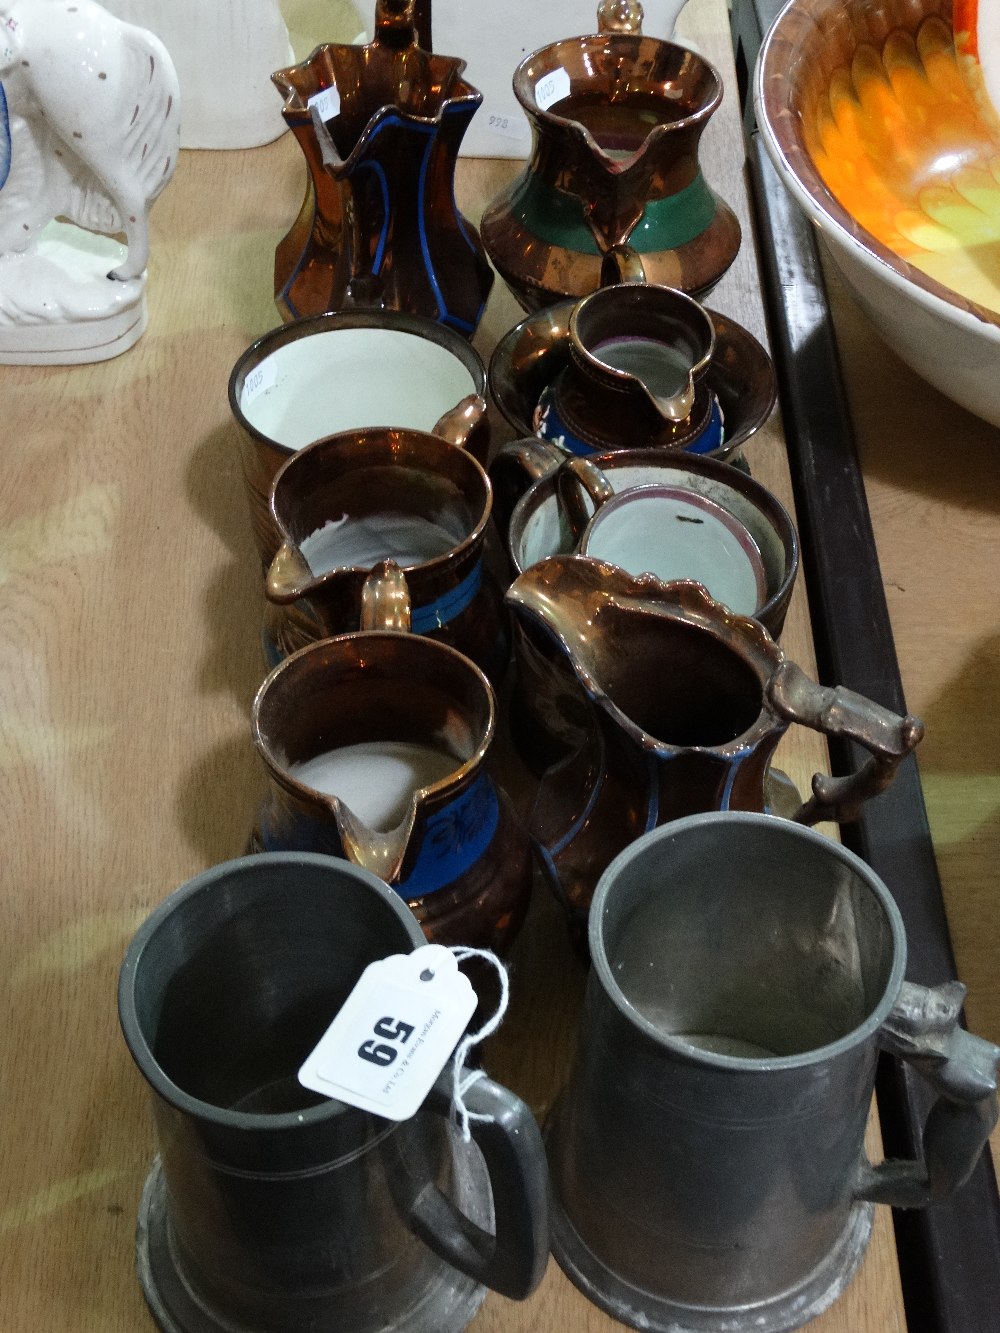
{"x":344,"y":504}
{"x":380,"y":126}
{"x":377,"y":748}
{"x":616,"y":118}
{"x":679,"y":704}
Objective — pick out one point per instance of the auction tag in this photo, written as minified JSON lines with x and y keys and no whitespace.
{"x":259,"y":380}
{"x":394,"y":1033}
{"x":553,"y":88}
{"x":509,"y":124}
{"x":325,"y":103}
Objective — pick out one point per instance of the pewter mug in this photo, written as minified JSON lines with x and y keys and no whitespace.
{"x":707,"y":1160}
{"x":272,"y":1208}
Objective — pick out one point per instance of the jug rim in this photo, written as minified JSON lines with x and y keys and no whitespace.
{"x":136,"y":1038}
{"x":676,"y":1046}
{"x":295,"y":100}
{"x":543,"y":490}
{"x":585,"y":43}
{"x":384,"y":436}
{"x":335,"y":321}
{"x":464,"y":769}
{"x":683,"y":601}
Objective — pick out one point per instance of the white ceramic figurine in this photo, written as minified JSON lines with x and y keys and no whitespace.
{"x":89,"y":135}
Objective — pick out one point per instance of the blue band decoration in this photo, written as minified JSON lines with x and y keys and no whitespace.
{"x":435,"y":615}
{"x":550,"y":426}
{"x":455,"y":838}
{"x":5,"y":139}
{"x":734,"y":765}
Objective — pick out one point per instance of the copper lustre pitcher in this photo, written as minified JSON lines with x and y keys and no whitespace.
{"x":681,"y":704}
{"x":346,"y":503}
{"x":616,"y":119}
{"x":377,"y":747}
{"x":380,"y":126}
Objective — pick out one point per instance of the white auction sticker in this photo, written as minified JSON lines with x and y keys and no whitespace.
{"x":509,"y":124}
{"x":393,"y":1034}
{"x":325,"y":103}
{"x":553,"y":88}
{"x":259,"y":380}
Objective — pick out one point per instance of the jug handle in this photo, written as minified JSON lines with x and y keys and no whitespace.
{"x":626,"y":16}
{"x":403,"y":23}
{"x":621,"y":16}
{"x":923,"y":1029}
{"x":578,"y":475}
{"x":839,"y":712}
{"x":516,"y":467}
{"x":621,"y":264}
{"x":459,"y":422}
{"x":511,"y":1261}
{"x":385,"y":599}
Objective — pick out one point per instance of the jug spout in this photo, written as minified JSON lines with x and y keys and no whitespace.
{"x":673,"y":407}
{"x":380,"y":852}
{"x":289,"y":576}
{"x":647,"y":653}
{"x":648,"y":345}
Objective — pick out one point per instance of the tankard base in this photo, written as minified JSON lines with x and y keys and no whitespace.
{"x":447,"y":1306}
{"x":647,"y":1310}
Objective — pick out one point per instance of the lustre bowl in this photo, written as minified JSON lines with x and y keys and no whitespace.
{"x":877,"y":118}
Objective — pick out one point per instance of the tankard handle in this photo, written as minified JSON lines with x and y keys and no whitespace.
{"x":511,"y":1261}
{"x":839,"y":712}
{"x":923,"y":1029}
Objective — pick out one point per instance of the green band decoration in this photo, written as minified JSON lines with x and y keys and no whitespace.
{"x":558,"y":218}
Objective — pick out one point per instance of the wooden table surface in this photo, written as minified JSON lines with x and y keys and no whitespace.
{"x":131,"y":600}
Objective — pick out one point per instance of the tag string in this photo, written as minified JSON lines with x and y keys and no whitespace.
{"x":461,"y":1081}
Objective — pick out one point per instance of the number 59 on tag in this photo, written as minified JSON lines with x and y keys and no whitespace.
{"x":393,"y":1034}
{"x":380,"y":1053}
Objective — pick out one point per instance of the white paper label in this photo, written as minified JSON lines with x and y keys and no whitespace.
{"x":326,"y":103}
{"x":259,"y":380}
{"x":553,"y":88}
{"x":393,"y":1034}
{"x":508,"y":124}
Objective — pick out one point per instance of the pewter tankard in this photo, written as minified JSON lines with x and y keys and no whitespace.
{"x":707,"y":1160}
{"x":273,"y":1209}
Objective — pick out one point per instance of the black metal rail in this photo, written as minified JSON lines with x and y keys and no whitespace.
{"x":949,"y":1255}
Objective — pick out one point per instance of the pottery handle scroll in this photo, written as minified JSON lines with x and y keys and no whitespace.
{"x":511,"y":1261}
{"x":923,"y":1029}
{"x":621,"y":264}
{"x":385,"y":599}
{"x":839,"y":712}
{"x":578,"y":477}
{"x":459,"y":422}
